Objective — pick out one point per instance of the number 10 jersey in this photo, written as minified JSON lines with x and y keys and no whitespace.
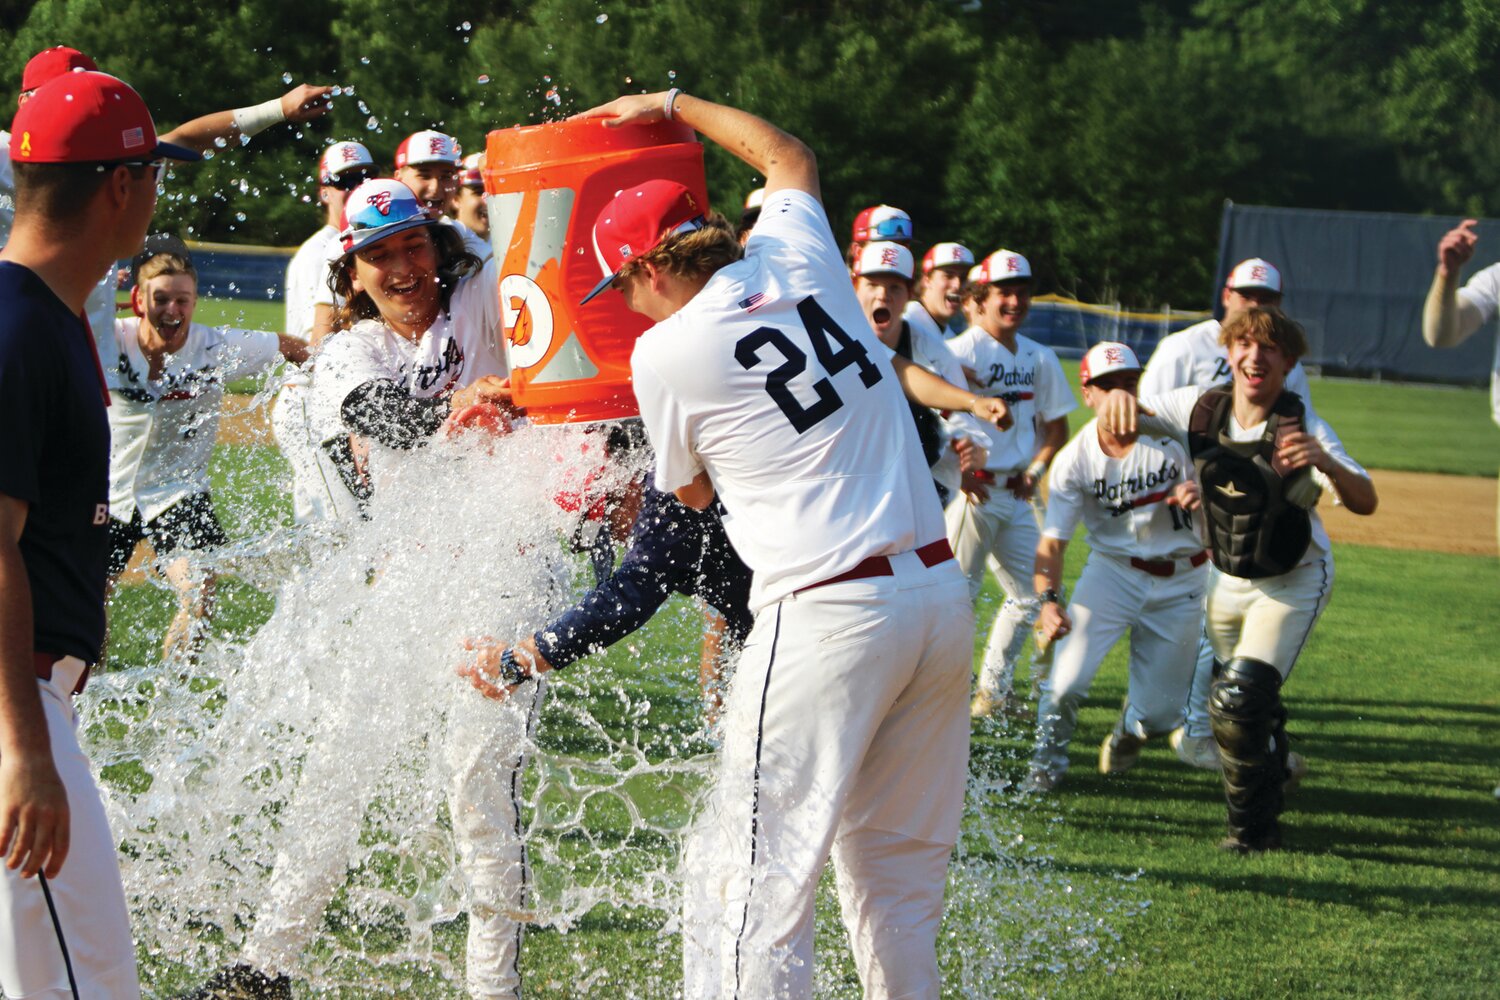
{"x":771,"y":380}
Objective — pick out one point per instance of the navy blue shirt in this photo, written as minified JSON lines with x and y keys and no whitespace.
{"x":54,"y":455}
{"x":673,"y":548}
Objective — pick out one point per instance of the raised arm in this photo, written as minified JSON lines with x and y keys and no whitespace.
{"x":300,"y":104}
{"x":1447,"y":320}
{"x":921,"y":386}
{"x":783,"y":160}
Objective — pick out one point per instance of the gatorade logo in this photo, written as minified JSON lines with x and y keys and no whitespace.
{"x":25,"y":143}
{"x":526,"y":315}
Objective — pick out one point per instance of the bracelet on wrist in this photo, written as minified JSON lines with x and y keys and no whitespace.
{"x":1036,"y":469}
{"x":667,"y":105}
{"x":511,"y":671}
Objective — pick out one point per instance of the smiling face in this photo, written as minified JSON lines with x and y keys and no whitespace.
{"x":435,"y":185}
{"x":883,"y":298}
{"x":400,"y":275}
{"x":1004,"y":308}
{"x":1259,"y":369}
{"x":942,"y":292}
{"x":166,"y":303}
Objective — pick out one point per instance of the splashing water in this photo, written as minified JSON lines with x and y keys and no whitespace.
{"x":303,"y":774}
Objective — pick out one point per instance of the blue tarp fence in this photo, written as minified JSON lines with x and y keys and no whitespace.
{"x":1356,"y":281}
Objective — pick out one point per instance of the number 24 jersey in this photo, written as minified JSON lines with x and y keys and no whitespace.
{"x":771,"y":380}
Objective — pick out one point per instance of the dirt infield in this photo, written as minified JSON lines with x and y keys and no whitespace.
{"x":1417,"y":510}
{"x":1423,"y":511}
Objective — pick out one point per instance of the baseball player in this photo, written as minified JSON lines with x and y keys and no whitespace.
{"x":86,"y":163}
{"x":416,"y":343}
{"x":166,"y":378}
{"x":468,"y":205}
{"x":1195,"y":357}
{"x":937,"y":307}
{"x":844,"y":728}
{"x":1451,"y":315}
{"x":671,"y":548}
{"x":430,"y":164}
{"x":1261,"y":459}
{"x":317,"y":491}
{"x":997,"y":518}
{"x":883,"y":285}
{"x":302,"y":103}
{"x":1147,"y":573}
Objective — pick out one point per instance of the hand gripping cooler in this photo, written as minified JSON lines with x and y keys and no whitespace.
{"x":544,"y":187}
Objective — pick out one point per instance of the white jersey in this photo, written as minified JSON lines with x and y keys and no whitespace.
{"x":1193,"y":356}
{"x":1030,"y":380}
{"x":930,"y":351}
{"x":459,"y":348}
{"x":1174,"y":409}
{"x":163,"y":430}
{"x":1483,"y":292}
{"x":1122,"y":500}
{"x":306,"y":272}
{"x":771,"y":380}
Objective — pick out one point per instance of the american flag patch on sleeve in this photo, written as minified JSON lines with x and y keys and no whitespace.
{"x":753,"y":302}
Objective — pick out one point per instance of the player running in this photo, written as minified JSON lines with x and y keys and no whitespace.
{"x":844,"y":729}
{"x":1262,"y":460}
{"x":166,"y":377}
{"x":1194,"y":356}
{"x":87,"y":162}
{"x":998,"y":519}
{"x":1146,"y":573}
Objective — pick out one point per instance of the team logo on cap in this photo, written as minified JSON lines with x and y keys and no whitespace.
{"x":380,"y":201}
{"x":350,"y":153}
{"x":889,"y":257}
{"x":1013,"y":265}
{"x":1113,"y":356}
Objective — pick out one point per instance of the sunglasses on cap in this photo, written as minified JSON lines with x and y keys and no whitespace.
{"x":350,"y":179}
{"x":890,"y":229}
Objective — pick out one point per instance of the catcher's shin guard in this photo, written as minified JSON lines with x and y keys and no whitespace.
{"x":1249,"y":724}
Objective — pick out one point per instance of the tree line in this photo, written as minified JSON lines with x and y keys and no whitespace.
{"x":1098,"y":137}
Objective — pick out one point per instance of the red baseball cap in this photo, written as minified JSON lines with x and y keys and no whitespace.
{"x":882,"y":222}
{"x":637,"y":221}
{"x":88,"y":117}
{"x":49,"y":64}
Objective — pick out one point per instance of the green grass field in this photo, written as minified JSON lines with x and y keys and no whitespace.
{"x":1391,"y":880}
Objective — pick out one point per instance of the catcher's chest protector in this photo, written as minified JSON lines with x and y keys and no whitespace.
{"x":1253,"y":531}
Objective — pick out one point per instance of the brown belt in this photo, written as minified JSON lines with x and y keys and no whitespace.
{"x":931,"y":554}
{"x":1166,"y":567}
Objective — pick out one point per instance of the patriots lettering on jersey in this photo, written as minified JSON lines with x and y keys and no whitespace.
{"x":1000,"y":375}
{"x":1132,"y":491}
{"x":450,"y":364}
{"x":1221,"y":369}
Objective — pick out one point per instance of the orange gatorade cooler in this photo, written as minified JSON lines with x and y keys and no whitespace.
{"x":544,"y":187}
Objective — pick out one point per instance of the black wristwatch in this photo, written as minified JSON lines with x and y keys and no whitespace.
{"x":511,"y":671}
{"x":1050,"y":596}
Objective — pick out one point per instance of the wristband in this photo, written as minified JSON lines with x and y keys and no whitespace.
{"x":671,"y":99}
{"x":1050,"y":596}
{"x":258,"y":118}
{"x":1036,"y":469}
{"x":511,"y":671}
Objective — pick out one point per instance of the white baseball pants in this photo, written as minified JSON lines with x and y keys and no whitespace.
{"x":1268,"y":619}
{"x":845,"y":734}
{"x":74,"y":931}
{"x":1003,"y":526}
{"x":485,"y":746}
{"x":1164,"y":618}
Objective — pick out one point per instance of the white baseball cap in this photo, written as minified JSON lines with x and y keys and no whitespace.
{"x":1106,"y":358}
{"x":379,"y":208}
{"x":342,"y":158}
{"x":1003,"y":265}
{"x":883,"y":258}
{"x":473,"y":171}
{"x":974,"y":274}
{"x":1255,"y":273}
{"x":947,"y":255}
{"x":428,"y":147}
